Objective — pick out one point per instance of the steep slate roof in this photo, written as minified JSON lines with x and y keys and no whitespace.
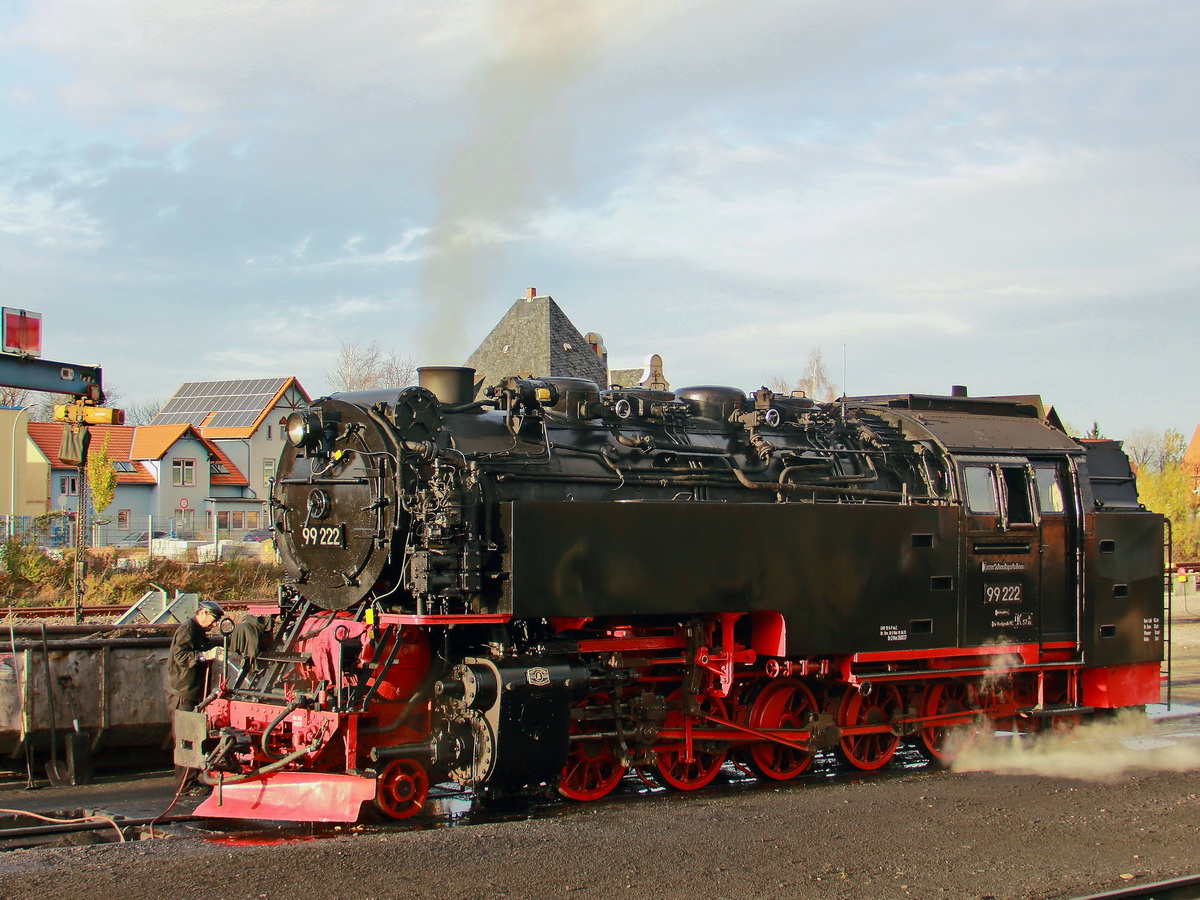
{"x":536,"y":338}
{"x":226,"y":409}
{"x":132,"y":444}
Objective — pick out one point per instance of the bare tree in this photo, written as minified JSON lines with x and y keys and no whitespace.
{"x":42,"y":408}
{"x":14,"y":397}
{"x":360,"y":367}
{"x":814,"y":382}
{"x":142,"y":413}
{"x":1144,"y":448}
{"x":397,"y":370}
{"x":43,"y":403}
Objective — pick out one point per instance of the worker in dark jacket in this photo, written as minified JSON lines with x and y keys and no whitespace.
{"x":190,"y":650}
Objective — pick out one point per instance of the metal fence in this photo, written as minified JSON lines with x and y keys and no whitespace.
{"x":58,"y":530}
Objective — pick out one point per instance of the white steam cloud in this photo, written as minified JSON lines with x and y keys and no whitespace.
{"x":517,"y":152}
{"x":1099,"y":750}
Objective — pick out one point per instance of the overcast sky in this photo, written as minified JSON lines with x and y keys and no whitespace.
{"x":996,"y":194}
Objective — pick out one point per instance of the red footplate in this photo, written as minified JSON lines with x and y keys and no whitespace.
{"x":1115,"y":686}
{"x":291,"y":797}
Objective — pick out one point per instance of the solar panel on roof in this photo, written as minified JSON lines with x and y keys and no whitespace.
{"x":235,"y":403}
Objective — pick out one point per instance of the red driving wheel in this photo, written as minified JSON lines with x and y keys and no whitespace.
{"x":674,"y":768}
{"x":782,"y":704}
{"x":943,"y":699}
{"x":874,"y":749}
{"x":592,"y":769}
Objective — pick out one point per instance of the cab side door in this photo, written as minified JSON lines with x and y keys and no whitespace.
{"x":1001,"y":581}
{"x":1059,"y":532}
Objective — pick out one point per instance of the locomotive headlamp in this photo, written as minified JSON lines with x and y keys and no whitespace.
{"x":303,"y":429}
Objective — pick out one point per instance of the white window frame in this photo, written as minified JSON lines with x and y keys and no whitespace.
{"x":183,"y":472}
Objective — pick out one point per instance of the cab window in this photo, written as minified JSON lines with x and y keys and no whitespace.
{"x":1016,"y":491}
{"x":1049,"y":490}
{"x":981,"y":490}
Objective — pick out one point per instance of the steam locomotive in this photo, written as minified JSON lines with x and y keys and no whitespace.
{"x":552,"y":585}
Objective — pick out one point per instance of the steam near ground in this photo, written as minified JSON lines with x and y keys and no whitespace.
{"x":1096,"y":751}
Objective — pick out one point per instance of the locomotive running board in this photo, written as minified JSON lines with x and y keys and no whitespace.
{"x":291,"y":797}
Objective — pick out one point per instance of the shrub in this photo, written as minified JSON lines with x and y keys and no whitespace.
{"x":30,"y":576}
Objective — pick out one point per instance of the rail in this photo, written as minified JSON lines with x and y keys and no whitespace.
{"x":51,"y":612}
{"x":1186,"y":888}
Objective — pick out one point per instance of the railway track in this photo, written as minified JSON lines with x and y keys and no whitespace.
{"x":52,"y":612}
{"x":1186,"y":888}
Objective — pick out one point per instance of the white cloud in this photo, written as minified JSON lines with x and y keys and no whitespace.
{"x":42,"y":217}
{"x":935,"y":185}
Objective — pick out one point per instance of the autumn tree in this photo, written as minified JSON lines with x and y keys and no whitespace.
{"x":1166,"y":486}
{"x":364,"y":367}
{"x":101,"y":476}
{"x":1173,"y":448}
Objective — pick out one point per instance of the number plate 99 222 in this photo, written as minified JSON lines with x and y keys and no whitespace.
{"x":1002,"y":593}
{"x":323,"y":536}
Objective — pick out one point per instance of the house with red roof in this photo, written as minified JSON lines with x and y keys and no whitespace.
{"x":246,"y":418}
{"x":206,"y":460}
{"x":170,"y":478}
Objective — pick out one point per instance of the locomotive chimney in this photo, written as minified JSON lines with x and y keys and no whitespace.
{"x":958,"y":390}
{"x":452,"y":385}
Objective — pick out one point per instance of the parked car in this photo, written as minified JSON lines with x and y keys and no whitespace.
{"x":138,"y":538}
{"x":259,"y":535}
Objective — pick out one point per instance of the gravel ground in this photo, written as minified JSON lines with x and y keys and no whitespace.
{"x":921,"y":835}
{"x":1022,"y":826}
